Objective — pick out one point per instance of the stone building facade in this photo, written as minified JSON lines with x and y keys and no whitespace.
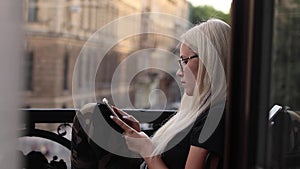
{"x":56,"y":32}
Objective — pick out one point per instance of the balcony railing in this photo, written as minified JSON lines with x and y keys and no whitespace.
{"x":65,"y":117}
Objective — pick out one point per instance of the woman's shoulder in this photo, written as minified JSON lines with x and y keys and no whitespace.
{"x":216,"y":139}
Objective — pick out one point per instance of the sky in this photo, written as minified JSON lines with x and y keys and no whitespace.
{"x":222,"y":5}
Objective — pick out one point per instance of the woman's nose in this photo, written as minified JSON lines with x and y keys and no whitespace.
{"x":179,"y":73}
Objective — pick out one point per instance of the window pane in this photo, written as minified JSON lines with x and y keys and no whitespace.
{"x":285,"y":88}
{"x":284,"y":127}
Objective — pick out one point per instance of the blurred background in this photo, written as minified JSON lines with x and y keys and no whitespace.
{"x":55,"y":33}
{"x":42,"y":40}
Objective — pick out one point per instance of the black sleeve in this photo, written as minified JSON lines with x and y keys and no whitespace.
{"x":215,"y":143}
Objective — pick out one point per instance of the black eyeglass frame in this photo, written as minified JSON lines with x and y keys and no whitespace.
{"x":185,"y":61}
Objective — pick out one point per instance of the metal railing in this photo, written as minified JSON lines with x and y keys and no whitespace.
{"x":65,"y":117}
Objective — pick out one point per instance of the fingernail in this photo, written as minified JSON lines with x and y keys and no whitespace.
{"x":111,"y":116}
{"x":124,"y":117}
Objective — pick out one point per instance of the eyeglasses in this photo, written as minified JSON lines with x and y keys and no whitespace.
{"x":184,"y":61}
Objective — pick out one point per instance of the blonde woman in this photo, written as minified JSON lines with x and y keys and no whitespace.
{"x":197,"y":130}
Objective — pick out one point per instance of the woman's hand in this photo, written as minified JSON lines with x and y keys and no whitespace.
{"x":136,"y":141}
{"x":128,"y":119}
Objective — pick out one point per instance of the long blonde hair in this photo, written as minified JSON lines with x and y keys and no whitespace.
{"x":211,"y":41}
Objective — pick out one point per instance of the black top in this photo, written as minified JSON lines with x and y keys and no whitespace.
{"x":175,"y":158}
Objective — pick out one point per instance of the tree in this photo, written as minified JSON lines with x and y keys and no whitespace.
{"x":203,"y":13}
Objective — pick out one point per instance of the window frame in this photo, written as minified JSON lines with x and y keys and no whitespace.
{"x":249,"y":83}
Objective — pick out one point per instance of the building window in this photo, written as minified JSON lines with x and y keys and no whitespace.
{"x":66,"y":71}
{"x":32,"y":11}
{"x":79,"y":74}
{"x":29,"y":70}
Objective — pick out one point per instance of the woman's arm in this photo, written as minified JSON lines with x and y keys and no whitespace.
{"x":139,"y":142}
{"x":196,"y":158}
{"x":155,"y":163}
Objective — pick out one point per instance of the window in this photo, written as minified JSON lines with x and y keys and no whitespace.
{"x":66,"y":71}
{"x":283,"y":133}
{"x":285,"y":88}
{"x":264,"y":69}
{"x":29,"y":70}
{"x":32,"y":11}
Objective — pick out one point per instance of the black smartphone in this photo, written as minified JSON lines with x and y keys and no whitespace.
{"x":107,"y":111}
